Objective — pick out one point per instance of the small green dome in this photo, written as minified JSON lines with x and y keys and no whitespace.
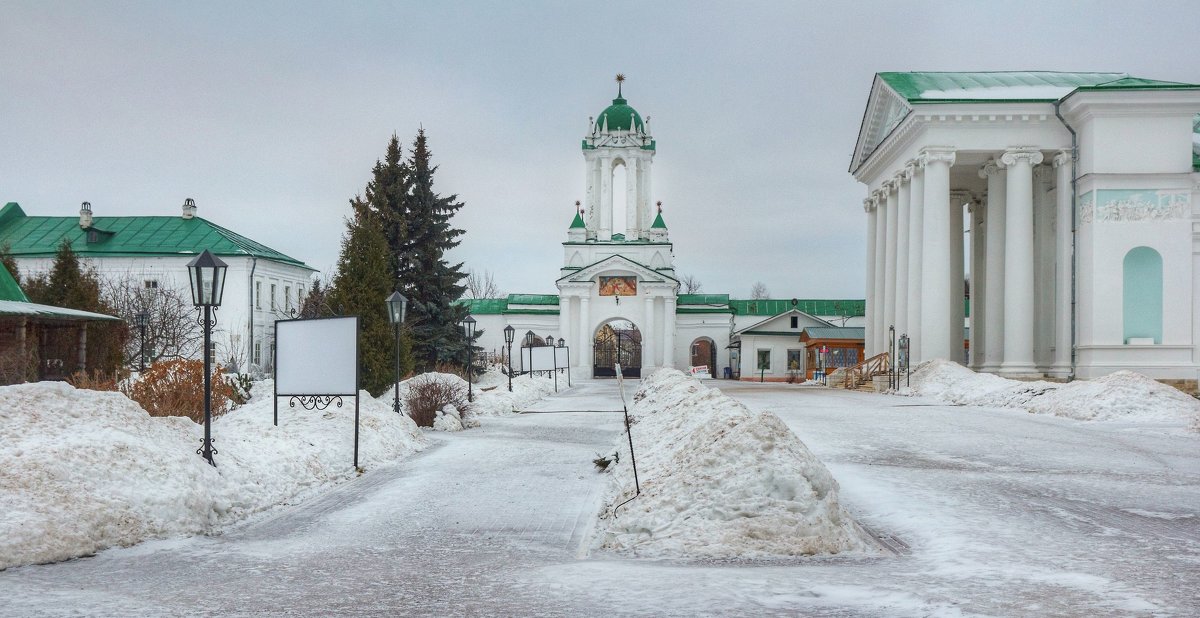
{"x":619,"y":115}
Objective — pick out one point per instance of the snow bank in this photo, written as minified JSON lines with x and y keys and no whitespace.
{"x":1123,"y":395}
{"x":719,"y":481}
{"x":84,"y":470}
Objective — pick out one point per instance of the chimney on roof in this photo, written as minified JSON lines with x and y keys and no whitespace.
{"x":85,"y":215}
{"x":189,"y":208}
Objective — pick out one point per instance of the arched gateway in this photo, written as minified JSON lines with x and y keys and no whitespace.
{"x":617,"y":342}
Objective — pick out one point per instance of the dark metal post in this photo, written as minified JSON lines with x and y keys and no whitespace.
{"x":892,"y":357}
{"x":510,"y":369}
{"x":207,"y":449}
{"x":142,"y":352}
{"x":396,"y":401}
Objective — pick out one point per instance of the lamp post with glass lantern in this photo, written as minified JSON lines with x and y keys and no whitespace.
{"x":140,"y":320}
{"x":508,"y":339}
{"x":207,"y":277}
{"x":397,"y":306}
{"x":468,"y":325}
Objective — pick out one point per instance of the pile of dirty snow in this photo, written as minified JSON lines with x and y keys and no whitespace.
{"x":719,"y":481}
{"x":84,"y":470}
{"x":1122,"y":395}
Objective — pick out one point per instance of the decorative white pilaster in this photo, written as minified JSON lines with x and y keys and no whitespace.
{"x":631,"y":200}
{"x":1018,"y":263}
{"x":606,"y":198}
{"x":993,"y":278}
{"x":648,"y":353}
{"x":958,"y":317}
{"x":978,"y":312}
{"x":872,"y":216}
{"x":902,"y":207}
{"x":889,"y":268}
{"x":916,"y":222}
{"x":1043,"y":275}
{"x":880,"y":269}
{"x":669,"y":331}
{"x":1061,"y":368}
{"x":935,"y":261}
{"x":585,"y":334}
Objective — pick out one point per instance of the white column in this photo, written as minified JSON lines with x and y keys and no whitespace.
{"x":958,"y":316}
{"x":669,"y":331}
{"x":978,"y":312}
{"x":585,"y":334}
{"x":993,"y":277}
{"x":916,"y":222}
{"x":889,"y":268}
{"x":645,"y":202}
{"x":631,"y":207}
{"x":872,"y":216}
{"x":880,"y":269}
{"x":1018,"y":263}
{"x":902,"y":207}
{"x":648,"y":355}
{"x":606,"y":199}
{"x":935,"y":259}
{"x":1062,"y":258}
{"x":564,"y":317}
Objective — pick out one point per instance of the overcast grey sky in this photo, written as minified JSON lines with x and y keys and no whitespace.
{"x":270,"y":115}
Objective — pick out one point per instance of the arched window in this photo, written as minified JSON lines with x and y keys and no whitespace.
{"x":1142,"y":294}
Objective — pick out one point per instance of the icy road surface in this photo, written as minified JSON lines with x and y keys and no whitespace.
{"x":989,"y":512}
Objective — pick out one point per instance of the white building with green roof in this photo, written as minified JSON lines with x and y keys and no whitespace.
{"x":1078,"y":195}
{"x":619,"y":297}
{"x":262,"y":284}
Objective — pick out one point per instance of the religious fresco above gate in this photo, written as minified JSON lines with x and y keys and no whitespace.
{"x":624,"y":285}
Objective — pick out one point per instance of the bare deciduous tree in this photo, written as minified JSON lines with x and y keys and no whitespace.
{"x":172,"y":330}
{"x":482,"y":285}
{"x":759,"y":291}
{"x":689,"y":284}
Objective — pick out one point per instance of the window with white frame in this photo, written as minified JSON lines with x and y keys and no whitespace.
{"x":257,"y":352}
{"x":257,"y":296}
{"x":151,"y":284}
{"x":287,"y":297}
{"x":764,"y":360}
{"x":272,"y":297}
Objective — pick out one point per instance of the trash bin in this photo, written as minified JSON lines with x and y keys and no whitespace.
{"x":728,"y":373}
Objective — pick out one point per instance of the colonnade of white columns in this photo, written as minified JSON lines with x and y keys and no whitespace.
{"x":916,"y":260}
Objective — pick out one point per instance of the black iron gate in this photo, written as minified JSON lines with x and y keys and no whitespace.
{"x":618,"y":343}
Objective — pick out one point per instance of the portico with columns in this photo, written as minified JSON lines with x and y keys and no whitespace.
{"x":989,"y":182}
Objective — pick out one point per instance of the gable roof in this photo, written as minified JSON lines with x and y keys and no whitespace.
{"x":9,"y":289}
{"x":647,"y":273}
{"x":835,"y":332}
{"x":894,"y":94}
{"x":759,"y":328}
{"x":774,"y":306}
{"x":14,"y":302}
{"x":127,"y":237}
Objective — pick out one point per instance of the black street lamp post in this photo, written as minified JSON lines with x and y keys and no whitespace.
{"x":508,"y":339}
{"x":140,"y":320}
{"x":207,"y":275}
{"x":397,"y":306}
{"x":468,"y":325}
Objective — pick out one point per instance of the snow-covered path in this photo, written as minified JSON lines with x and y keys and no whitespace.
{"x":992,"y":512}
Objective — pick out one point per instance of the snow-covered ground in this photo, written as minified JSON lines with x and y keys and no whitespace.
{"x":989,"y":512}
{"x":1120,"y":396}
{"x":84,"y":470}
{"x":718,"y":481}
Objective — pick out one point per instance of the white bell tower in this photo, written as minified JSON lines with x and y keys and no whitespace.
{"x":617,"y":137}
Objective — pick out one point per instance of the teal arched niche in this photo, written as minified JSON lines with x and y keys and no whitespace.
{"x":1142,"y":294}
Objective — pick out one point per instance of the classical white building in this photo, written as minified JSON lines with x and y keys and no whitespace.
{"x":619,"y":297}
{"x":261,"y":284}
{"x":1069,"y":199}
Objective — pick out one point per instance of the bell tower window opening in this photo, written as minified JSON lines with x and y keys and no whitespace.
{"x":620,"y":196}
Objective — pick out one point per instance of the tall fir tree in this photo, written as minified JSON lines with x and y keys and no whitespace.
{"x":431,"y":283}
{"x":361,"y":285}
{"x":386,"y":195}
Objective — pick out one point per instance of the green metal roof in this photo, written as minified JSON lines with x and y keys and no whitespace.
{"x":1138,"y":83}
{"x":127,"y":236}
{"x":941,"y":87}
{"x":835,"y":332}
{"x":484,"y":306}
{"x":619,"y":116}
{"x":578,"y":222}
{"x":500,"y":306}
{"x":48,"y":312}
{"x":9,"y":290}
{"x":533,"y":299}
{"x":767,"y":307}
{"x":703,"y":299}
{"x":658,"y":222}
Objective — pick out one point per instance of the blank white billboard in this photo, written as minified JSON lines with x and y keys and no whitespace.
{"x":316,"y":357}
{"x":544,"y":358}
{"x":561,"y":357}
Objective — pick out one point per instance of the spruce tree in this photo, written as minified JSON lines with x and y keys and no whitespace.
{"x":10,"y":262}
{"x":386,"y":196}
{"x":73,"y":286}
{"x":361,"y":285}
{"x":431,"y":283}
